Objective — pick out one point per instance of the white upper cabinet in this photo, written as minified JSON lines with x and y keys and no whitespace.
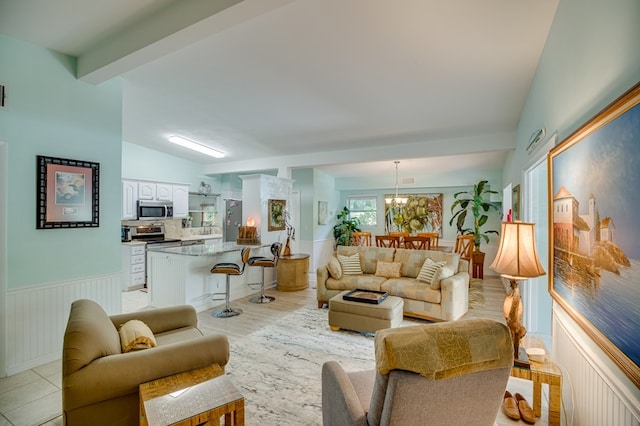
{"x":129,"y":199}
{"x":180,"y":194}
{"x":146,"y":191}
{"x":153,"y":191}
{"x":134,"y":190}
{"x":164,"y":192}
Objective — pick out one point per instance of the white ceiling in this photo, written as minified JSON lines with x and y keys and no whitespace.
{"x":307,"y":83}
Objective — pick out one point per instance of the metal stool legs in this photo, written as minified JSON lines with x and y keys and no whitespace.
{"x":227,"y":311}
{"x":262,"y":298}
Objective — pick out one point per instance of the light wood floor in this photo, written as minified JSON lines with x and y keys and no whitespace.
{"x":255,"y":316}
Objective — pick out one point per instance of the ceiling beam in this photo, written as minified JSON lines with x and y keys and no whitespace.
{"x":178,"y":25}
{"x":455,"y":146}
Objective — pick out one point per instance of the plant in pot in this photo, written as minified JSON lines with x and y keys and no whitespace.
{"x":345,"y":227}
{"x":474,"y":202}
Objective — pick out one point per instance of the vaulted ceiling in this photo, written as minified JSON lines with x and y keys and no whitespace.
{"x":344,"y":85}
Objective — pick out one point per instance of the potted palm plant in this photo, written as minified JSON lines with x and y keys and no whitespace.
{"x":344,"y":229}
{"x":476,"y":203}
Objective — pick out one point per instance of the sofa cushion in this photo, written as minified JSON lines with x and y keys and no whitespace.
{"x":350,"y":264}
{"x":388,"y":269}
{"x":334,"y":268}
{"x":136,"y":335}
{"x":410,"y":288}
{"x":445,"y":272}
{"x":412,"y":261}
{"x":369,"y":256}
{"x":430,"y":271}
{"x":350,"y":282}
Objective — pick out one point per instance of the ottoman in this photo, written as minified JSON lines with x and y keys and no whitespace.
{"x":364,"y":317}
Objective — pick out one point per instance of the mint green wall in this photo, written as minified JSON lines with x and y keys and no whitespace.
{"x":325,"y":190}
{"x":303,"y":182}
{"x":142,"y":163}
{"x":51,"y":113}
{"x":590,"y":58}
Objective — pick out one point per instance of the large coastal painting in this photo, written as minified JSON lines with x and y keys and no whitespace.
{"x":594,"y":176}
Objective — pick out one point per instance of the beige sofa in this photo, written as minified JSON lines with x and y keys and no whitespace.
{"x":100,"y":383}
{"x":446,"y":302}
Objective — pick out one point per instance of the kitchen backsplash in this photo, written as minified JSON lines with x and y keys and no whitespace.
{"x":173,"y":228}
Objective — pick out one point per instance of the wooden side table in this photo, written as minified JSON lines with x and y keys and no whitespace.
{"x":191,"y":398}
{"x":543,"y":372}
{"x":293,"y":272}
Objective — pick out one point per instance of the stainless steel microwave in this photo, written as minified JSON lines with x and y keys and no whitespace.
{"x":155,"y":210}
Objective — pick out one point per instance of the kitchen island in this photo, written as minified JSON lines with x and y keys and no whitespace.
{"x":181,"y":275}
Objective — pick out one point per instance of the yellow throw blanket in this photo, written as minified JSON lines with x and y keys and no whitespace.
{"x":443,"y":350}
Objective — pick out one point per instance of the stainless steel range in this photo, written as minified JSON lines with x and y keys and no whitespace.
{"x":153,"y":235}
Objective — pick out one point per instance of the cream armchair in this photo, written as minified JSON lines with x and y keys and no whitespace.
{"x":100,"y":383}
{"x":452,"y":373}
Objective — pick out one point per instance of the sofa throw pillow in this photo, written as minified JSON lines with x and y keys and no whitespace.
{"x":334,"y":268}
{"x":388,"y":269}
{"x":350,"y":264}
{"x":445,"y":272}
{"x":136,"y":335}
{"x":429,"y":272}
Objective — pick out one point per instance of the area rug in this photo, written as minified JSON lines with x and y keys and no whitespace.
{"x":278,"y":368}
{"x":476,"y":294}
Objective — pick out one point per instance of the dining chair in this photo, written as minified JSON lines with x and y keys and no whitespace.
{"x":464,"y":247}
{"x":417,"y":243}
{"x":399,"y":234}
{"x":433,"y":236}
{"x":387,"y":241}
{"x":361,"y":238}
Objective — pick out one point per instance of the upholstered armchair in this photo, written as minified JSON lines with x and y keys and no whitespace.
{"x":100,"y":381}
{"x":452,"y":373}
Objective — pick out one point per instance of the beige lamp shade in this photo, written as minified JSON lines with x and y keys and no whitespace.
{"x":517,"y":256}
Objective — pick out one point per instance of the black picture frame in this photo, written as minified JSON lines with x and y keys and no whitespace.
{"x":67,"y":193}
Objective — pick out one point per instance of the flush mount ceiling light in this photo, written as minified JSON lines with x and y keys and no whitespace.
{"x":179,"y":140}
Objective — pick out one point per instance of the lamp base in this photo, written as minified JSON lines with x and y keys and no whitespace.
{"x":523,"y":359}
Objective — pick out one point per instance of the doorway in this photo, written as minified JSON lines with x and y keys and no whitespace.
{"x":535,"y":294}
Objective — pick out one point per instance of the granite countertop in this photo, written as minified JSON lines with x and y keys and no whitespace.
{"x":200,"y":237}
{"x":214,"y":249}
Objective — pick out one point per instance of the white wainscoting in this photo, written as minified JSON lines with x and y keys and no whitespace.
{"x":37,"y":317}
{"x":602,"y":395}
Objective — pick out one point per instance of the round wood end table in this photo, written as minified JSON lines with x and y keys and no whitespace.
{"x":292,"y":272}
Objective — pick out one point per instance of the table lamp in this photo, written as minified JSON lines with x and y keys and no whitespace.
{"x":517,"y":259}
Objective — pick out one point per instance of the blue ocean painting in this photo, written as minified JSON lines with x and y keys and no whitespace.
{"x":603,"y":169}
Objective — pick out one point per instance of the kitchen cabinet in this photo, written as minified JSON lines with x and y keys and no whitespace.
{"x":133,"y":266}
{"x":155,"y":191}
{"x":180,"y":196}
{"x":129,"y":199}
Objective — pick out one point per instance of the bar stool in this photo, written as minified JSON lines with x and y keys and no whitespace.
{"x":229,"y":269}
{"x":265,"y":262}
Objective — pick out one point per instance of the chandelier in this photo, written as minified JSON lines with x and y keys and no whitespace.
{"x":396,"y":201}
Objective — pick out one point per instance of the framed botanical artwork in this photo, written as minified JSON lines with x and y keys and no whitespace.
{"x":67,"y":193}
{"x":420,"y":213}
{"x":594,"y":233}
{"x":515,"y":203}
{"x":323,"y":212}
{"x":276,"y":215}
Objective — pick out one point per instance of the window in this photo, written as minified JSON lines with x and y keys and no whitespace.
{"x":363,"y":208}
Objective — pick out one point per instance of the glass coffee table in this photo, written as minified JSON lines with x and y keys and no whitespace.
{"x":193,"y":397}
